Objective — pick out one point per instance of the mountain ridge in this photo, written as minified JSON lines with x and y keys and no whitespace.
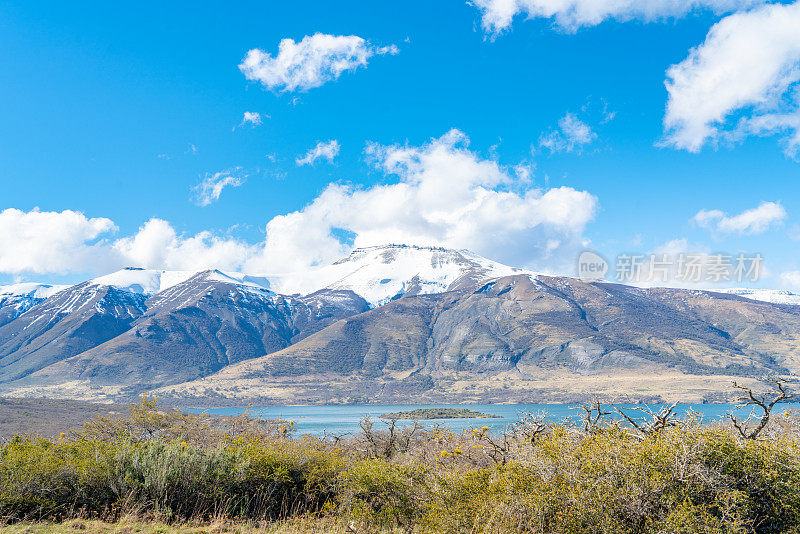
{"x":386,"y":323}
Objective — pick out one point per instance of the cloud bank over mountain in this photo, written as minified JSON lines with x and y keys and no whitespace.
{"x":439,"y":193}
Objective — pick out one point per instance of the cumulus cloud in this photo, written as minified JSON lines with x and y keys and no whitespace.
{"x":753,"y":221}
{"x":443,"y":195}
{"x":439,"y":193}
{"x":157,"y":245}
{"x":742,"y":80}
{"x":310,"y":63}
{"x":570,"y":15}
{"x":572,"y":134}
{"x":211,"y":187}
{"x":327,"y":150}
{"x":49,"y":242}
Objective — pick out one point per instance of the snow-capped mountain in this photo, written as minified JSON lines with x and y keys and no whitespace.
{"x":382,"y":273}
{"x":385,"y":321}
{"x":67,"y":323}
{"x":152,"y":281}
{"x":29,"y":290}
{"x":16,"y":299}
{"x":152,"y":327}
{"x":775,"y":296}
{"x":142,"y":281}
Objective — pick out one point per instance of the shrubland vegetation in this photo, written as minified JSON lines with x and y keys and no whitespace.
{"x":650,"y":473}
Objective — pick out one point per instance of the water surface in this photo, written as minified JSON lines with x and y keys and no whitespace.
{"x":343,"y":420}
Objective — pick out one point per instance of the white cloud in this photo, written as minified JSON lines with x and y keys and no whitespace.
{"x":251,"y":117}
{"x":38,"y":242}
{"x":791,"y":279}
{"x":444,"y":195}
{"x":753,"y":221}
{"x":572,"y":134}
{"x":324,"y":149}
{"x":212,"y":185}
{"x":50,"y":242}
{"x":440,"y":193}
{"x":679,"y":245}
{"x":310,"y":63}
{"x":570,"y":15}
{"x":157,"y":245}
{"x":741,"y":81}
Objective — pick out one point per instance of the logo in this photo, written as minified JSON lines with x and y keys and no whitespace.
{"x":591,"y":266}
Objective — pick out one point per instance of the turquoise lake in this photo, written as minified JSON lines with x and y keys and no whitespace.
{"x":340,"y":420}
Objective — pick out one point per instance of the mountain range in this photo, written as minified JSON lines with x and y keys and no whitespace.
{"x":395,"y":323}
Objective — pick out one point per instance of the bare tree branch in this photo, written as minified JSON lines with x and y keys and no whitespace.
{"x":593,"y":413}
{"x":750,"y":398}
{"x":654,"y":422}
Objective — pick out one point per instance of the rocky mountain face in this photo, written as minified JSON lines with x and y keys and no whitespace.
{"x":66,"y":324}
{"x":391,"y":324}
{"x":123,"y":340}
{"x":507,"y":338}
{"x":16,"y":299}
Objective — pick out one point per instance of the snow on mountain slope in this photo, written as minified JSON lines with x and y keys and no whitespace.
{"x":16,"y":299}
{"x":378,"y":274}
{"x":381,"y":273}
{"x":247,"y":281}
{"x":775,"y":296}
{"x":30,"y":290}
{"x":142,"y":281}
{"x":152,"y":281}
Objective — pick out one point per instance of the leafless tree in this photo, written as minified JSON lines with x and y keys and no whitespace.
{"x":765,"y":402}
{"x":653,"y":422}
{"x":592,"y":414}
{"x":384,"y":444}
{"x":530,"y":426}
{"x":499,"y":447}
{"x":336,"y":439}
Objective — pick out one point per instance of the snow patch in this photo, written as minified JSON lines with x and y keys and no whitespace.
{"x":30,"y":289}
{"x":774,"y":296}
{"x":142,"y":281}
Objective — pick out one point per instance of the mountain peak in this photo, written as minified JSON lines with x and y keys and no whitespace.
{"x":383,"y":272}
{"x":142,"y":281}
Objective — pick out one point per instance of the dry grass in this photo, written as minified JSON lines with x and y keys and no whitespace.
{"x":133,"y":525}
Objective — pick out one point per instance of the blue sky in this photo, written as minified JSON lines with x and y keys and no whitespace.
{"x":120,"y":111}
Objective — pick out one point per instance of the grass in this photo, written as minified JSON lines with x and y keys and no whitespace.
{"x":157,"y":471}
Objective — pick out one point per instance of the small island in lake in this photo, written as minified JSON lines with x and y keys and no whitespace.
{"x":438,"y":413}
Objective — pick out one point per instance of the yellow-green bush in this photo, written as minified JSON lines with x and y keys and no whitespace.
{"x":687,"y":478}
{"x":173,"y":479}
